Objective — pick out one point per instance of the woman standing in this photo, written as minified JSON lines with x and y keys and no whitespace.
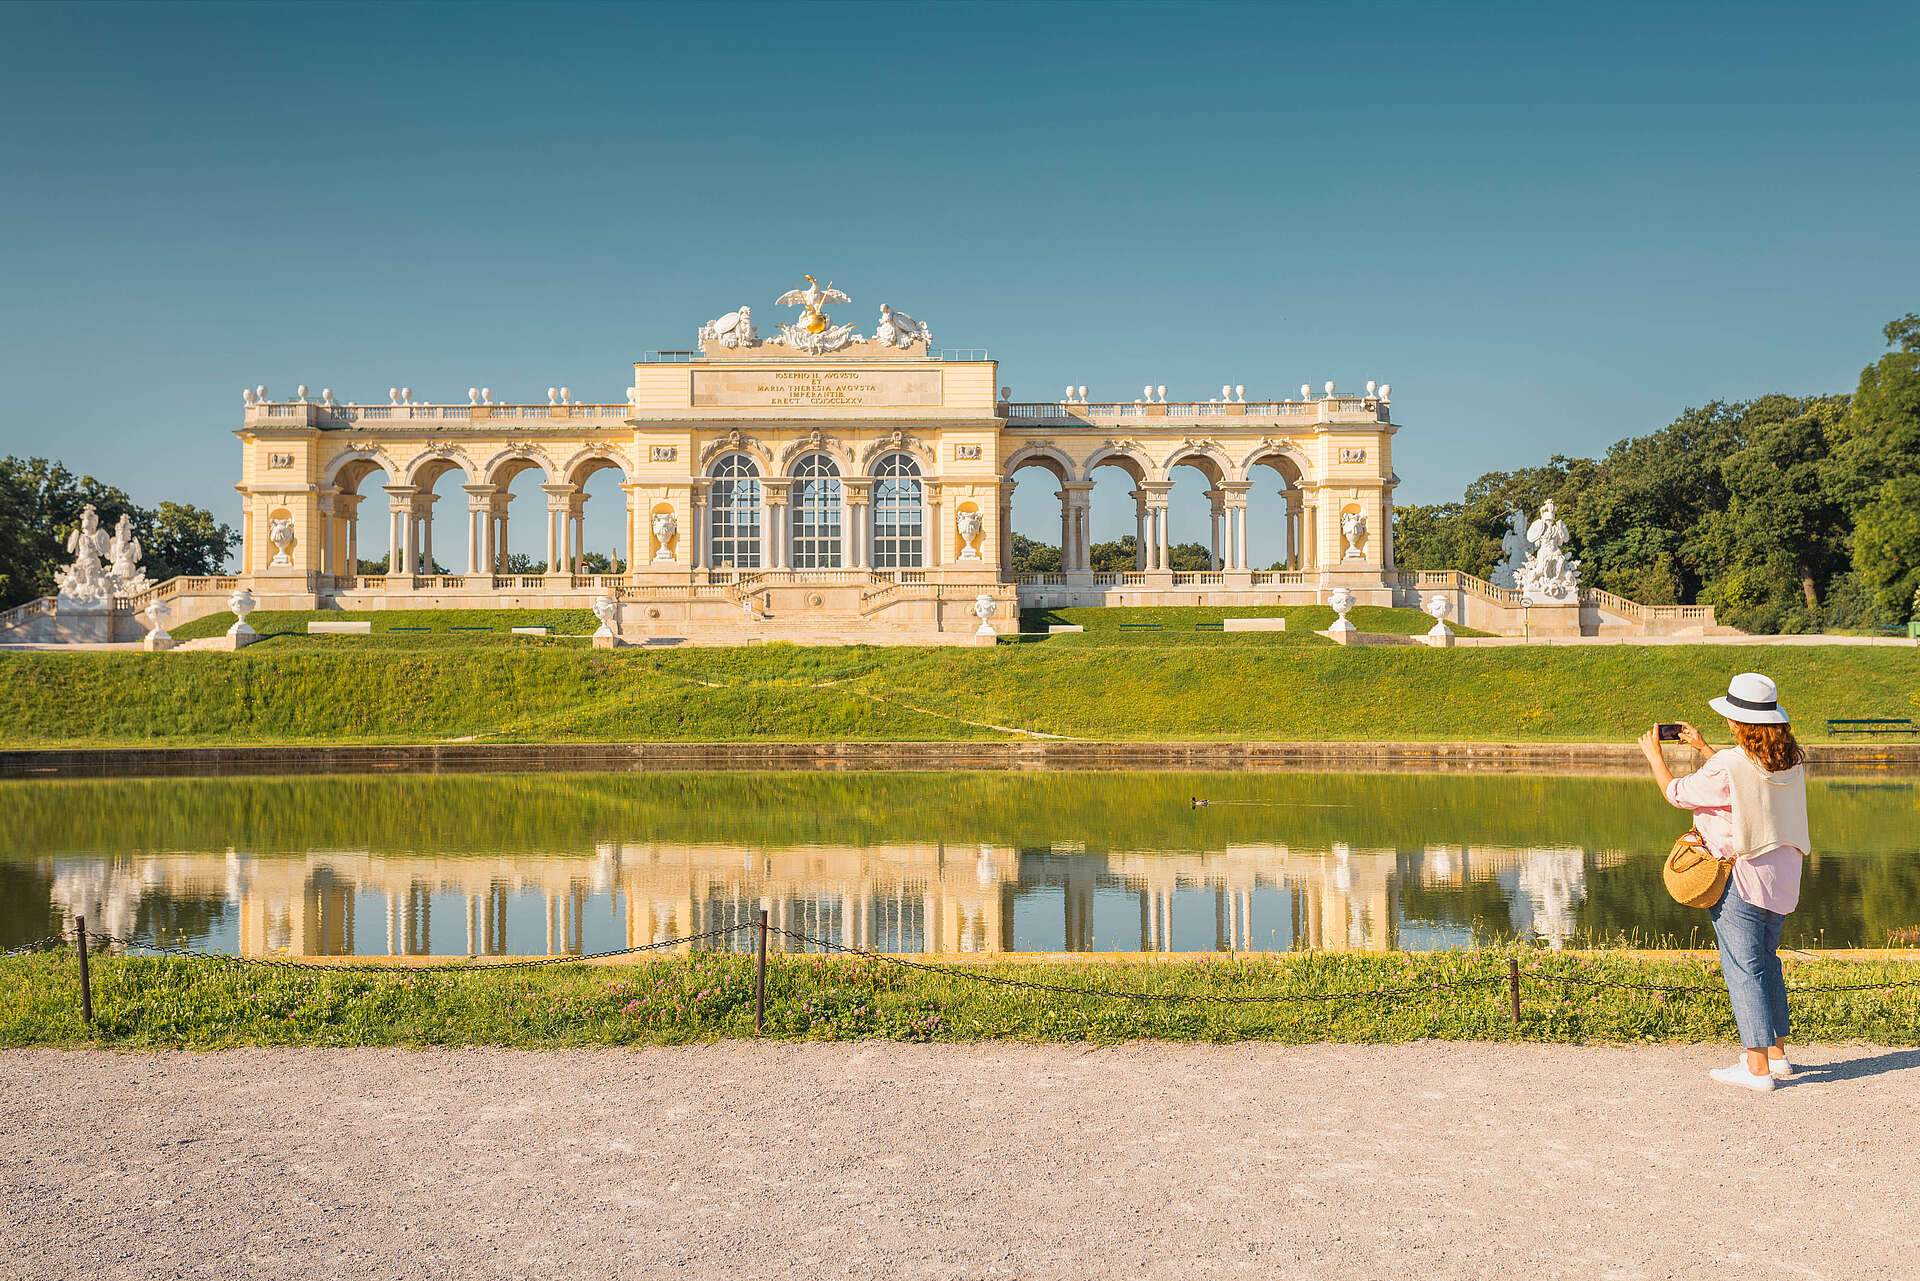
{"x":1749,"y":805}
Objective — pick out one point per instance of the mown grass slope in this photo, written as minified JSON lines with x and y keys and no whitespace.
{"x":1239,"y":688}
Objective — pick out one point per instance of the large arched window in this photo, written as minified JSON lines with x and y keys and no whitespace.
{"x":734,"y":503}
{"x":898,"y":523}
{"x":816,"y":513}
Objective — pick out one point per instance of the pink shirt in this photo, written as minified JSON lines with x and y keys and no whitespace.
{"x":1768,"y":880}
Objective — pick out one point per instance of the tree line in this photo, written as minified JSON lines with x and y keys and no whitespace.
{"x":1785,"y":513}
{"x":40,"y":504}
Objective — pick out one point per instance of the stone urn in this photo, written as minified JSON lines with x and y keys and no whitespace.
{"x":1438,"y":606}
{"x":607,"y":610}
{"x":664,"y":528}
{"x":984,"y":607}
{"x":242,"y":603}
{"x":157,"y":638}
{"x":1342,"y":602}
{"x":970,"y":526}
{"x":280,"y":534}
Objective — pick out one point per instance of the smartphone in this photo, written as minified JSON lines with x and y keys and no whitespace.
{"x":1668,"y":733}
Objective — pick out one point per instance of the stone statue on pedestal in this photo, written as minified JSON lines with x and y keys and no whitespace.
{"x":970,"y":526}
{"x":664,"y":528}
{"x":1513,"y":544}
{"x":1354,"y":526}
{"x":1550,"y":576}
{"x":104,"y":566}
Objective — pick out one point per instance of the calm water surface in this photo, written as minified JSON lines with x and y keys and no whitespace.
{"x":534,"y":864}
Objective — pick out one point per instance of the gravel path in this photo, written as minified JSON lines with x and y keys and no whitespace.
{"x":1429,"y":1161}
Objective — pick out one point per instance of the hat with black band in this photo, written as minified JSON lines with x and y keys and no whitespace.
{"x":1751,"y":699}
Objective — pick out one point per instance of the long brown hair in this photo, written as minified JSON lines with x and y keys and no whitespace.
{"x":1773,"y":746}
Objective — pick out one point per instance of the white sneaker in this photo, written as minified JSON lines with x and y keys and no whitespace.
{"x":1738,"y":1075}
{"x":1781,"y":1066}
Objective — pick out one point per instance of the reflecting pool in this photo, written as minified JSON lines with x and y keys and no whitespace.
{"x":455,"y":865}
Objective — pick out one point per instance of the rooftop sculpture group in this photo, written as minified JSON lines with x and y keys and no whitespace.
{"x":814,"y":332}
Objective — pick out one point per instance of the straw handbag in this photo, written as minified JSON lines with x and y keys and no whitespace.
{"x":1694,"y":876}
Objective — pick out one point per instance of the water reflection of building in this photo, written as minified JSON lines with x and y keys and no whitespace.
{"x":897,"y":898}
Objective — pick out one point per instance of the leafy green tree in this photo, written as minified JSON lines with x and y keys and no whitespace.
{"x":180,"y":538}
{"x":1031,"y":557}
{"x":1116,"y":557}
{"x":1875,"y":460}
{"x":1189,"y":557}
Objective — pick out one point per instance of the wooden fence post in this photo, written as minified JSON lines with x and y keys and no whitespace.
{"x":1513,"y":987}
{"x":86,"y":982}
{"x":760,"y":976}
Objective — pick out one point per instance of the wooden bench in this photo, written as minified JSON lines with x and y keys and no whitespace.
{"x":1208,"y":627}
{"x":1139,"y":627}
{"x":409,"y":629}
{"x":1872,"y":725}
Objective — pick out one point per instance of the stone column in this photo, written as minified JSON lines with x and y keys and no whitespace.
{"x":1066,"y":527}
{"x":399,"y":528}
{"x":559,"y":504}
{"x":324,"y":562}
{"x":1216,"y":509}
{"x":773,"y":534}
{"x":937,"y":527}
{"x":697,"y":513}
{"x":348,"y":505}
{"x":1233,"y":504}
{"x":1076,"y":554}
{"x":1159,"y":496}
{"x":1291,"y":549}
{"x":1386,"y":528}
{"x":479,"y":516}
{"x":858,"y":496}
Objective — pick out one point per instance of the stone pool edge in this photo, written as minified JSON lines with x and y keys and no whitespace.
{"x":1449,"y":757}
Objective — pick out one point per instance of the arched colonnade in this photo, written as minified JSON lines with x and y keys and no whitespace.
{"x":814,"y":508}
{"x":1230,"y":483}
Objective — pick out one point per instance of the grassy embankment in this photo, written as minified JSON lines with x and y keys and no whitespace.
{"x":1103,"y":684}
{"x":207,"y":1005}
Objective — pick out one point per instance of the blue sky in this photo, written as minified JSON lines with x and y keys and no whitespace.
{"x":1548,"y":227}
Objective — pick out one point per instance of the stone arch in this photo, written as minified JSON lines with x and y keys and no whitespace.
{"x":514,"y":459}
{"x":897,"y":442}
{"x":358,"y":462}
{"x":580,"y":466}
{"x":1283,"y":456}
{"x":1045,"y":455}
{"x":736,"y":441}
{"x":1203,"y":455}
{"x":435,"y":461}
{"x":1124,"y":454}
{"x":817,"y":442}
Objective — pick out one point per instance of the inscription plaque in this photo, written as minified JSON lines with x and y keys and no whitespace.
{"x":822,"y":388}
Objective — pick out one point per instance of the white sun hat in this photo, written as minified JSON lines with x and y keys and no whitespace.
{"x":1752,"y":699}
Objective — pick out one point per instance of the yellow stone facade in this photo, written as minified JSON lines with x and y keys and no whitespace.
{"x":830,"y":461}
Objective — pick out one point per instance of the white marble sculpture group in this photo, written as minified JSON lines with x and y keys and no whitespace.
{"x":815,"y":332}
{"x":1536,"y":561}
{"x":104,"y":566}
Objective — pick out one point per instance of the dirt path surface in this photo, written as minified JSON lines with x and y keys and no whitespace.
{"x":1429,"y":1160}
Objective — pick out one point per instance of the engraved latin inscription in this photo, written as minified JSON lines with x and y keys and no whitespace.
{"x":815,"y":388}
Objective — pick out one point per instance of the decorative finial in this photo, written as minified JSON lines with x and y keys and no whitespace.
{"x":553,"y":395}
{"x":1386,"y":390}
{"x":1306,"y":392}
{"x":302,"y":392}
{"x":1239,"y":392}
{"x":486,"y":395}
{"x":326,"y":395}
{"x":247,"y":395}
{"x":566,"y":396}
{"x":393,"y":395}
{"x":1163,"y":393}
{"x":1329,"y":386}
{"x":406,"y":394}
{"x":473,"y":395}
{"x":1083,"y":393}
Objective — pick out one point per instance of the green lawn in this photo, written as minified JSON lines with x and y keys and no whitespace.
{"x":443,"y":626}
{"x":1182,"y":624}
{"x":334,"y":689}
{"x":167,"y":1003}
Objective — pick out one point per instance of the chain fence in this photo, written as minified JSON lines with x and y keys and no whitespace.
{"x":86,"y":940}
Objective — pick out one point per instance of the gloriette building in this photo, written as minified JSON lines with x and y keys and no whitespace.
{"x":821,"y":485}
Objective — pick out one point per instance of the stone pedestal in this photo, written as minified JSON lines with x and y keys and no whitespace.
{"x":1367,"y":583}
{"x":1555,"y":619}
{"x":158,"y":640}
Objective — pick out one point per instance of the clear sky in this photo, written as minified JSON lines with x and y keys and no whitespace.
{"x":1547,"y":226}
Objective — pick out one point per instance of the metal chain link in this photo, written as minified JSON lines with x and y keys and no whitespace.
{"x":46,"y":944}
{"x":1132,"y":995}
{"x":467,"y":967}
{"x":1659,"y":987}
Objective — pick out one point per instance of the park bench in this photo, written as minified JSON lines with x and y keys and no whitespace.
{"x":409,"y":629}
{"x":1139,"y":627}
{"x":1871,"y":725}
{"x":1209,"y":627}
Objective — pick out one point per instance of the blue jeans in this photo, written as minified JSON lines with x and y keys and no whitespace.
{"x":1749,"y":939}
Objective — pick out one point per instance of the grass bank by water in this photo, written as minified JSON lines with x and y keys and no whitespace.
{"x":1243,"y":687}
{"x":195,"y":1004}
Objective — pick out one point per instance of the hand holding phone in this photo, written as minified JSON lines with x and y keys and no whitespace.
{"x":1669,"y":733}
